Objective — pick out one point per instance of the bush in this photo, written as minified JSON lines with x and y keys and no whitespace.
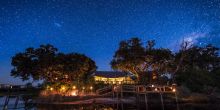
{"x":196,"y":80}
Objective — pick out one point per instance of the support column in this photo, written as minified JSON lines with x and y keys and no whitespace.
{"x":161,"y":98}
{"x":146,"y":104}
{"x":177,"y":104}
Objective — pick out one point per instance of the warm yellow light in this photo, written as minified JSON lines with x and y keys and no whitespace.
{"x":115,"y":87}
{"x":155,"y":89}
{"x":51,"y":88}
{"x":91,"y":87}
{"x":174,"y":90}
{"x":83,"y":88}
{"x":63,"y":88}
{"x":74,"y":87}
{"x":73,"y":93}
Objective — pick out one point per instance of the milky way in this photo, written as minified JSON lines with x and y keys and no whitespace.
{"x":95,"y":27}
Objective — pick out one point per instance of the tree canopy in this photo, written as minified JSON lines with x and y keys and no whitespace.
{"x":134,"y":58}
{"x":190,"y":64}
{"x":46,"y":63}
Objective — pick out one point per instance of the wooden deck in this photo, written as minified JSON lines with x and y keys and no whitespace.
{"x":137,"y":89}
{"x":118,"y":91}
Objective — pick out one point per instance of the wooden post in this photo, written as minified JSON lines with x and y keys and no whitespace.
{"x":161,"y":97}
{"x":16,"y":102}
{"x":121,"y":91}
{"x":121,"y":97}
{"x":117,"y":99}
{"x":137,"y":97}
{"x":6,"y":103}
{"x":113,"y":91}
{"x":177,"y":104}
{"x":145,"y":97}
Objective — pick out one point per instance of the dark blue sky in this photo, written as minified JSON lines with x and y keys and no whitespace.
{"x":95,"y":27}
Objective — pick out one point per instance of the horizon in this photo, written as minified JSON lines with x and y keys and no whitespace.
{"x":95,"y":28}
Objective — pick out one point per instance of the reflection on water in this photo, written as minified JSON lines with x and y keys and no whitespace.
{"x":128,"y":107}
{"x":140,"y":106}
{"x":11,"y":103}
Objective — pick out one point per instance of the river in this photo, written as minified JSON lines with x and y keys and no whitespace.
{"x":141,"y":106}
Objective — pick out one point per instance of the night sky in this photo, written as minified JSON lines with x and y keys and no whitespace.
{"x":95,"y":27}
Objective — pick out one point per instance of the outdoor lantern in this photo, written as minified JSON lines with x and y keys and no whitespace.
{"x":91,"y":88}
{"x":114,"y":88}
{"x":174,"y":90}
{"x":74,"y":93}
{"x":174,"y":87}
{"x":74,"y":87}
{"x":63,"y":88}
{"x":66,"y":76}
{"x":51,"y":89}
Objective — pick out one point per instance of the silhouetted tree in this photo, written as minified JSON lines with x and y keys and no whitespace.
{"x":134,"y":58}
{"x":198,"y":68}
{"x":45,"y":63}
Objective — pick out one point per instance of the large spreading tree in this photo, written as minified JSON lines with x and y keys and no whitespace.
{"x":196,"y":67}
{"x":199,"y":67}
{"x":46,"y":63}
{"x":134,"y":58}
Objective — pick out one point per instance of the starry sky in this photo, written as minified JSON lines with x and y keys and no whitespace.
{"x":95,"y":27}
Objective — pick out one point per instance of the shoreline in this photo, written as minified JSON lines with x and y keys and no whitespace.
{"x":130,"y":100}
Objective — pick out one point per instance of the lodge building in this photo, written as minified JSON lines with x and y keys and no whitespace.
{"x":113,"y":77}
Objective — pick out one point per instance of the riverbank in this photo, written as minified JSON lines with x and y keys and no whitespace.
{"x":153,"y":99}
{"x":130,"y":103}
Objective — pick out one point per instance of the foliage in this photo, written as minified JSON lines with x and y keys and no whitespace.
{"x":199,"y":67}
{"x":45,"y":63}
{"x":134,"y":58}
{"x":195,"y":79}
{"x":205,"y":58}
{"x":216,"y":77}
{"x":193,"y":66}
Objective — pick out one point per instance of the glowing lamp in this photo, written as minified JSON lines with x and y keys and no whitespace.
{"x":155,"y":89}
{"x":174,"y":90}
{"x":83,"y":88}
{"x":91,"y":88}
{"x":115,"y":88}
{"x":51,"y":89}
{"x":152,"y":85}
{"x":74,"y":87}
{"x":63,"y":88}
{"x":74,"y":93}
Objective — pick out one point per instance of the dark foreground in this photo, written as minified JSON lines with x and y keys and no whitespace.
{"x":113,"y":106}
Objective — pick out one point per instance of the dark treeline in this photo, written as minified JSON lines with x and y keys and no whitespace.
{"x":47,"y":64}
{"x":197,"y":68}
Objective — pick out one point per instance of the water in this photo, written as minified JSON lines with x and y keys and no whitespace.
{"x":11,"y":103}
{"x":126,"y":107}
{"x":141,"y":106}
